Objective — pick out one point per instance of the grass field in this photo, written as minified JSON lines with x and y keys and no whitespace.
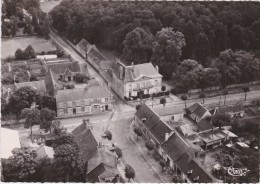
{"x":46,"y":6}
{"x":9,"y":46}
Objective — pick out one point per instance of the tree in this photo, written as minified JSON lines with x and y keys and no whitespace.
{"x":149,"y":146}
{"x":46,"y":102}
{"x":21,"y":167}
{"x":68,"y":162}
{"x":29,"y":52}
{"x":129,"y":172}
{"x":81,"y":78}
{"x":108,"y":135}
{"x":138,"y":46}
{"x":138,"y":107}
{"x":118,"y":152}
{"x":22,"y":98}
{"x":162,"y":163}
{"x":57,"y":129}
{"x":138,"y":132}
{"x":225,"y":92}
{"x":202,"y":95}
{"x":202,"y":49}
{"x":246,"y":89}
{"x":47,"y":116}
{"x":176,"y":178}
{"x":184,"y":98}
{"x":219,"y":120}
{"x":167,"y":49}
{"x":32,"y":117}
{"x":65,"y":139}
{"x":163,"y":101}
{"x":19,"y":55}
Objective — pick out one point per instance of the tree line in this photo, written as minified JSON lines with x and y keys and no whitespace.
{"x":164,"y":33}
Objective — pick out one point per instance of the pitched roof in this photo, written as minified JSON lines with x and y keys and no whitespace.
{"x":44,"y":151}
{"x":136,"y":72}
{"x":197,"y":109}
{"x":204,"y":125}
{"x":82,"y":93}
{"x":51,"y":82}
{"x":60,"y":68}
{"x":9,"y":140}
{"x":157,"y":127}
{"x":102,"y":156}
{"x":37,"y":85}
{"x":86,"y":141}
{"x":186,"y":163}
{"x":100,"y":173}
{"x":175,"y":146}
{"x":185,"y":130}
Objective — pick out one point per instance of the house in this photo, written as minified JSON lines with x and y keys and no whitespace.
{"x":236,"y":110}
{"x":86,"y":140}
{"x":153,"y":127}
{"x":170,"y":144}
{"x":9,"y":141}
{"x":230,"y":135}
{"x":83,"y":101}
{"x":44,"y":152}
{"x":135,"y":80}
{"x":170,"y":114}
{"x":197,"y":112}
{"x":64,"y":70}
{"x":213,"y":138}
{"x":39,"y":86}
{"x":46,"y":57}
{"x":241,"y":145}
{"x":192,"y":171}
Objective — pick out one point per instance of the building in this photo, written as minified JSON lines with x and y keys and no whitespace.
{"x":179,"y":154}
{"x":204,"y":125}
{"x":83,"y":101}
{"x":46,"y":57}
{"x":197,"y":112}
{"x":135,"y":80}
{"x":9,"y":141}
{"x":39,"y":86}
{"x":170,"y":114}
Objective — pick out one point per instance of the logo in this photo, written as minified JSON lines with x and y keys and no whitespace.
{"x":237,"y":172}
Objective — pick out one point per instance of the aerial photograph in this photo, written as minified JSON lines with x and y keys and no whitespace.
{"x":110,"y":91}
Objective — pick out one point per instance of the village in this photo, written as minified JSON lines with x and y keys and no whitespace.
{"x":73,"y":111}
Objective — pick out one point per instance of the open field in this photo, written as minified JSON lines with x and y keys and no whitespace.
{"x":46,"y":6}
{"x":9,"y":46}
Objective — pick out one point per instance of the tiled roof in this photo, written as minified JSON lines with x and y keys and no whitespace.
{"x":92,"y":92}
{"x":133,"y":73}
{"x":185,"y":130}
{"x":60,"y":68}
{"x":197,"y":109}
{"x":51,"y":82}
{"x":175,"y":146}
{"x":86,"y":141}
{"x":37,"y":85}
{"x":157,"y":127}
{"x":186,"y":163}
{"x":204,"y":125}
{"x":44,"y":151}
{"x":102,"y":156}
{"x":100,"y":173}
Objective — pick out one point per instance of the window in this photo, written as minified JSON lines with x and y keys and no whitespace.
{"x":65,"y":111}
{"x":106,"y":99}
{"x":96,"y":100}
{"x":82,"y":109}
{"x":65,"y":105}
{"x":73,"y":104}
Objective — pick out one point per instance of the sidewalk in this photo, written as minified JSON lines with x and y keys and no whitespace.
{"x":140,"y":145}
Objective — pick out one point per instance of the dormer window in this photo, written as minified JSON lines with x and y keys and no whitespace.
{"x":143,"y":120}
{"x":196,"y":178}
{"x":189,"y":171}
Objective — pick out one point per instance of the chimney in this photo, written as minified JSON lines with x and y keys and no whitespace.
{"x":157,"y":68}
{"x":167,"y":135}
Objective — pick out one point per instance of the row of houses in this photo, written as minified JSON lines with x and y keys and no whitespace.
{"x":126,"y":81}
{"x":181,"y":136}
